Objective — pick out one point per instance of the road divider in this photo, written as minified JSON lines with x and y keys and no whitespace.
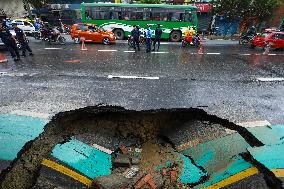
{"x":130,"y":77}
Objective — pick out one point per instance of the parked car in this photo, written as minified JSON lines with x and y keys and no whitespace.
{"x":91,"y":33}
{"x":26,"y":26}
{"x":271,"y":39}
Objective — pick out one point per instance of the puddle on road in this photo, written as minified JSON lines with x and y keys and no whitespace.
{"x":143,"y":146}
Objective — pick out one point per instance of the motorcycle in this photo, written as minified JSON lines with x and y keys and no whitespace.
{"x":142,"y":41}
{"x":245,"y":39}
{"x":56,"y":39}
{"x":190,"y":41}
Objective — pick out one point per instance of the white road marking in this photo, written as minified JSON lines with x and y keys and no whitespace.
{"x":31,"y":114}
{"x":272,"y":54}
{"x":107,"y":50}
{"x":257,"y":123}
{"x":130,"y":77}
{"x":157,"y":52}
{"x":52,"y":48}
{"x":214,"y":53}
{"x":245,"y":54}
{"x":269,"y":79}
{"x":128,"y":51}
{"x":103,"y":149}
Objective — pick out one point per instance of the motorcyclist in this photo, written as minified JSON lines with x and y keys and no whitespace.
{"x":55,"y":33}
{"x":189,"y":33}
{"x":250,"y":33}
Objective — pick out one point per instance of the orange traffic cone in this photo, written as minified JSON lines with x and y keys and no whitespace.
{"x":3,"y":58}
{"x":201,"y":48}
{"x":83,"y":48}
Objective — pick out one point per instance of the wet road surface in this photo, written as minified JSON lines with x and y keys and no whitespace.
{"x":223,"y":80}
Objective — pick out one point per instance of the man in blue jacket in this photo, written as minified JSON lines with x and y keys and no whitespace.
{"x":9,"y":42}
{"x":148,"y":39}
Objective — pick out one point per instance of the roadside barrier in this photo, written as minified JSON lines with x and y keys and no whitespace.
{"x":3,"y":58}
{"x":83,"y":48}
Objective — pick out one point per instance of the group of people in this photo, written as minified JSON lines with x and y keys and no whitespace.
{"x":11,"y":41}
{"x":136,"y":33}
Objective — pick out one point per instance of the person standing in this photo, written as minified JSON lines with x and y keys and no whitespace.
{"x":148,"y":39}
{"x":10,"y":42}
{"x":158,"y":35}
{"x":21,"y":37}
{"x":135,"y":35}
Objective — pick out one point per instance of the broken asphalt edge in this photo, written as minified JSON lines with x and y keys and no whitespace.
{"x":27,"y":165}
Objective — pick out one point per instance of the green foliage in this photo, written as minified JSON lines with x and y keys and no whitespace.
{"x":37,"y":3}
{"x":150,"y":1}
{"x":261,"y":9}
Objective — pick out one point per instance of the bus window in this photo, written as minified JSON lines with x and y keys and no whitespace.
{"x":164,"y":16}
{"x":147,"y":14}
{"x":177,"y":16}
{"x":188,"y":17}
{"x":126,"y":13}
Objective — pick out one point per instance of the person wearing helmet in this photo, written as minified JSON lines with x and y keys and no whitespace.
{"x":9,"y":42}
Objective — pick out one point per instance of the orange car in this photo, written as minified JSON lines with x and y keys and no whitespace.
{"x":91,"y":33}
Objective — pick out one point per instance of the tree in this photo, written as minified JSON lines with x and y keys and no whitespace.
{"x":260,"y":9}
{"x":150,"y":1}
{"x":37,"y":4}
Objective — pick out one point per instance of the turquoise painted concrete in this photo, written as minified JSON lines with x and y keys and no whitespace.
{"x":15,"y":131}
{"x":238,"y":164}
{"x":190,"y":173}
{"x":270,"y":134}
{"x":271,"y":156}
{"x":217,"y":154}
{"x":84,"y":158}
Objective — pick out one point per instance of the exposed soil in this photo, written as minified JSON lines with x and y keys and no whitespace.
{"x":144,"y":125}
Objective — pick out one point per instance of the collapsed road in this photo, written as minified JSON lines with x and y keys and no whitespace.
{"x":156,"y":161}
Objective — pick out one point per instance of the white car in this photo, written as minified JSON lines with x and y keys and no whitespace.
{"x":27,"y":27}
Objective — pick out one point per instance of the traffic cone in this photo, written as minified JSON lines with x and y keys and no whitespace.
{"x":266,"y":51}
{"x":201,"y":49}
{"x":3,"y":58}
{"x":83,"y":48}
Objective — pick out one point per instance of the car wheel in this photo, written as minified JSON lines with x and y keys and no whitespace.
{"x":119,"y":34}
{"x":62,"y":40}
{"x":175,"y":36}
{"x":106,"y":41}
{"x":76,"y":40}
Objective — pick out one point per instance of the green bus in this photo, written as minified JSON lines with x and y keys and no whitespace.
{"x":120,"y":18}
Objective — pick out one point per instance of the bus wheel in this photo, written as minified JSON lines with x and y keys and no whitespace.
{"x":175,"y":36}
{"x":119,"y":34}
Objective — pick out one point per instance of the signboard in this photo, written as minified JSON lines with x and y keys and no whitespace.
{"x":202,"y":7}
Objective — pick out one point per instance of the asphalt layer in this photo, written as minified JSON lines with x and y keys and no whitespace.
{"x":224,"y":84}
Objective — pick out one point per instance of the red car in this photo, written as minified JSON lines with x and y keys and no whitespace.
{"x":274,"y":39}
{"x":91,"y":33}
